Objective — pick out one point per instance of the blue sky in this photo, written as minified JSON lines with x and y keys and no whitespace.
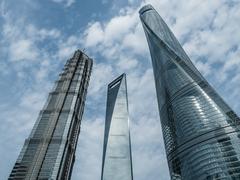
{"x":37,"y":37}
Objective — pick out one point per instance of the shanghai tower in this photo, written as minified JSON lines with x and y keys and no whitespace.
{"x":117,"y":158}
{"x":201,"y":132}
{"x":49,"y":151}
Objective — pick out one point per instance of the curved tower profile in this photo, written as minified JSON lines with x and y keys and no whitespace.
{"x":201,"y":132}
{"x":117,"y":158}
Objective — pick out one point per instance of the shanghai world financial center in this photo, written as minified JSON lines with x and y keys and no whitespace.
{"x":200,"y":131}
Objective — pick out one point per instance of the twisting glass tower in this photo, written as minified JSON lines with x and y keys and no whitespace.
{"x":201,"y":132}
{"x":49,"y":151}
{"x":117,"y":160}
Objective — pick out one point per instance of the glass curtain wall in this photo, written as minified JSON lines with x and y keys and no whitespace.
{"x":49,"y":151}
{"x":201,"y":132}
{"x":117,"y":160}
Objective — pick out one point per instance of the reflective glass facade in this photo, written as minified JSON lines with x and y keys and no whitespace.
{"x":49,"y":151}
{"x":201,"y":132}
{"x":117,"y":160}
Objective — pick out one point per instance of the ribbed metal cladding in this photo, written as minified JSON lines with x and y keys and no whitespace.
{"x":117,"y":157}
{"x":201,"y":132}
{"x":49,"y":151}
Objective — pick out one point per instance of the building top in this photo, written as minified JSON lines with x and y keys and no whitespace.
{"x":146,"y":8}
{"x":116,"y":80}
{"x":82,"y":52}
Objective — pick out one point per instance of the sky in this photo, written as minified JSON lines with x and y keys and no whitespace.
{"x":38,"y":36}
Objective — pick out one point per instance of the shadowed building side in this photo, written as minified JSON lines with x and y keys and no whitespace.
{"x":201,"y":132}
{"x":117,"y":160}
{"x":49,"y":151}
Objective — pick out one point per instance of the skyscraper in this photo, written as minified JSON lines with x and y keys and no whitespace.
{"x":117,"y":158}
{"x":201,"y":132}
{"x":49,"y":151}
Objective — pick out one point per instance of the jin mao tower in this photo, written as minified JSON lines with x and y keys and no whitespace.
{"x":49,"y":151}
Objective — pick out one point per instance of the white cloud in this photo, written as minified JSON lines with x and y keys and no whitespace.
{"x":149,"y":160}
{"x":136,"y":41}
{"x":94,"y":35}
{"x":119,"y":26}
{"x":67,"y":3}
{"x":112,"y":32}
{"x":66,"y":47}
{"x":206,"y":35}
{"x":20,"y":39}
{"x":208,"y":30}
{"x":89,"y":151}
{"x":2,"y":8}
{"x":100,"y":77}
{"x":43,"y":33}
{"x":22,"y":50}
{"x":127,"y":63}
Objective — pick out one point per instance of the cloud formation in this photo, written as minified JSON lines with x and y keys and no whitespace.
{"x":31,"y":54}
{"x":206,"y":38}
{"x":66,"y":3}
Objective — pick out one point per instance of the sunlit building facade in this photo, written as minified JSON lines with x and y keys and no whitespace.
{"x":201,"y":132}
{"x":117,"y":160}
{"x":49,"y":151}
